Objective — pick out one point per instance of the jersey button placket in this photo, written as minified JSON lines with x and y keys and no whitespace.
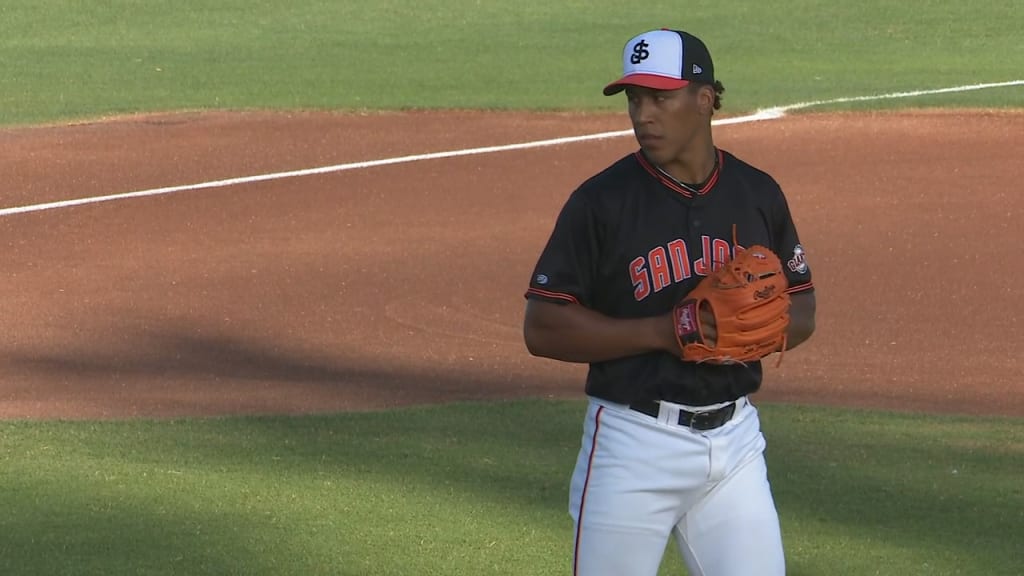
{"x":695,"y":220}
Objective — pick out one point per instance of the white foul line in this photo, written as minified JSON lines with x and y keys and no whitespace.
{"x":896,"y":95}
{"x":765,"y":114}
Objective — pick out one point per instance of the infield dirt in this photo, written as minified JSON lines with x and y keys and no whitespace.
{"x":403,"y":284}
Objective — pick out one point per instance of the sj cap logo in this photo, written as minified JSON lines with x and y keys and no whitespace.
{"x":640,"y":52}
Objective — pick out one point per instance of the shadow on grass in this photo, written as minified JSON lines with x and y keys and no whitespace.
{"x":517,"y":454}
{"x":63,"y":526}
{"x":508,"y":462}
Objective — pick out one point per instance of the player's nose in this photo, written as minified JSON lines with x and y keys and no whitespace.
{"x":642,"y":111}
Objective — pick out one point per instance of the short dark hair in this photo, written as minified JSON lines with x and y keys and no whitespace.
{"x":717,"y":87}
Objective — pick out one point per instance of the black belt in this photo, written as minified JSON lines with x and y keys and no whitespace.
{"x":696,"y":420}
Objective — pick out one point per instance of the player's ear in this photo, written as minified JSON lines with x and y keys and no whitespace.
{"x":705,"y":99}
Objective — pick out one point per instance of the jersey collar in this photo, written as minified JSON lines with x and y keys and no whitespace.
{"x":681,"y":187}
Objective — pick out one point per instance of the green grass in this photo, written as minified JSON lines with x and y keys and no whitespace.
{"x":67,"y":59}
{"x":477,"y":489}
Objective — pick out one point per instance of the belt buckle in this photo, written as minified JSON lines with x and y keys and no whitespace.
{"x":710,"y":419}
{"x":697,"y":417}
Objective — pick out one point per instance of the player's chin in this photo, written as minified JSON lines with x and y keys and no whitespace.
{"x":656,"y":151}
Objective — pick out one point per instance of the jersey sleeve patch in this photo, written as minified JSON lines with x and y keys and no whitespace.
{"x":798,"y":263}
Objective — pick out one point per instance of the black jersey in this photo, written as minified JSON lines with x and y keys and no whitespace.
{"x":631,"y":242}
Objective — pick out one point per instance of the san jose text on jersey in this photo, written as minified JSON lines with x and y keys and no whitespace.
{"x":631,"y":242}
{"x":665,"y":265}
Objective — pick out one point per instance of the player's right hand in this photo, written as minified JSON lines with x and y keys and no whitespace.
{"x":707,"y":326}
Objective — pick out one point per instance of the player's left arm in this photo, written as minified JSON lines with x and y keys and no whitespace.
{"x":801,"y":318}
{"x":798,"y":273}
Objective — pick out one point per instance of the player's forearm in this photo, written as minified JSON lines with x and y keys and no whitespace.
{"x":801,"y":319}
{"x":797,"y":334}
{"x":572,"y":333}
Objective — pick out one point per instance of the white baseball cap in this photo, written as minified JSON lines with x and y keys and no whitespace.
{"x":664,"y":60}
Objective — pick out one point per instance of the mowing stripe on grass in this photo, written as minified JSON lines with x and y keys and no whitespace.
{"x":765,"y":114}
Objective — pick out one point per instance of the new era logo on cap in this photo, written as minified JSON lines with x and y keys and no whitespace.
{"x":663,"y":60}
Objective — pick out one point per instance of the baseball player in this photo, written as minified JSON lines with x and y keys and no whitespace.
{"x":672,"y":273}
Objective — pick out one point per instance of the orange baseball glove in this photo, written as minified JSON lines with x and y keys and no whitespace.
{"x":747,"y":299}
